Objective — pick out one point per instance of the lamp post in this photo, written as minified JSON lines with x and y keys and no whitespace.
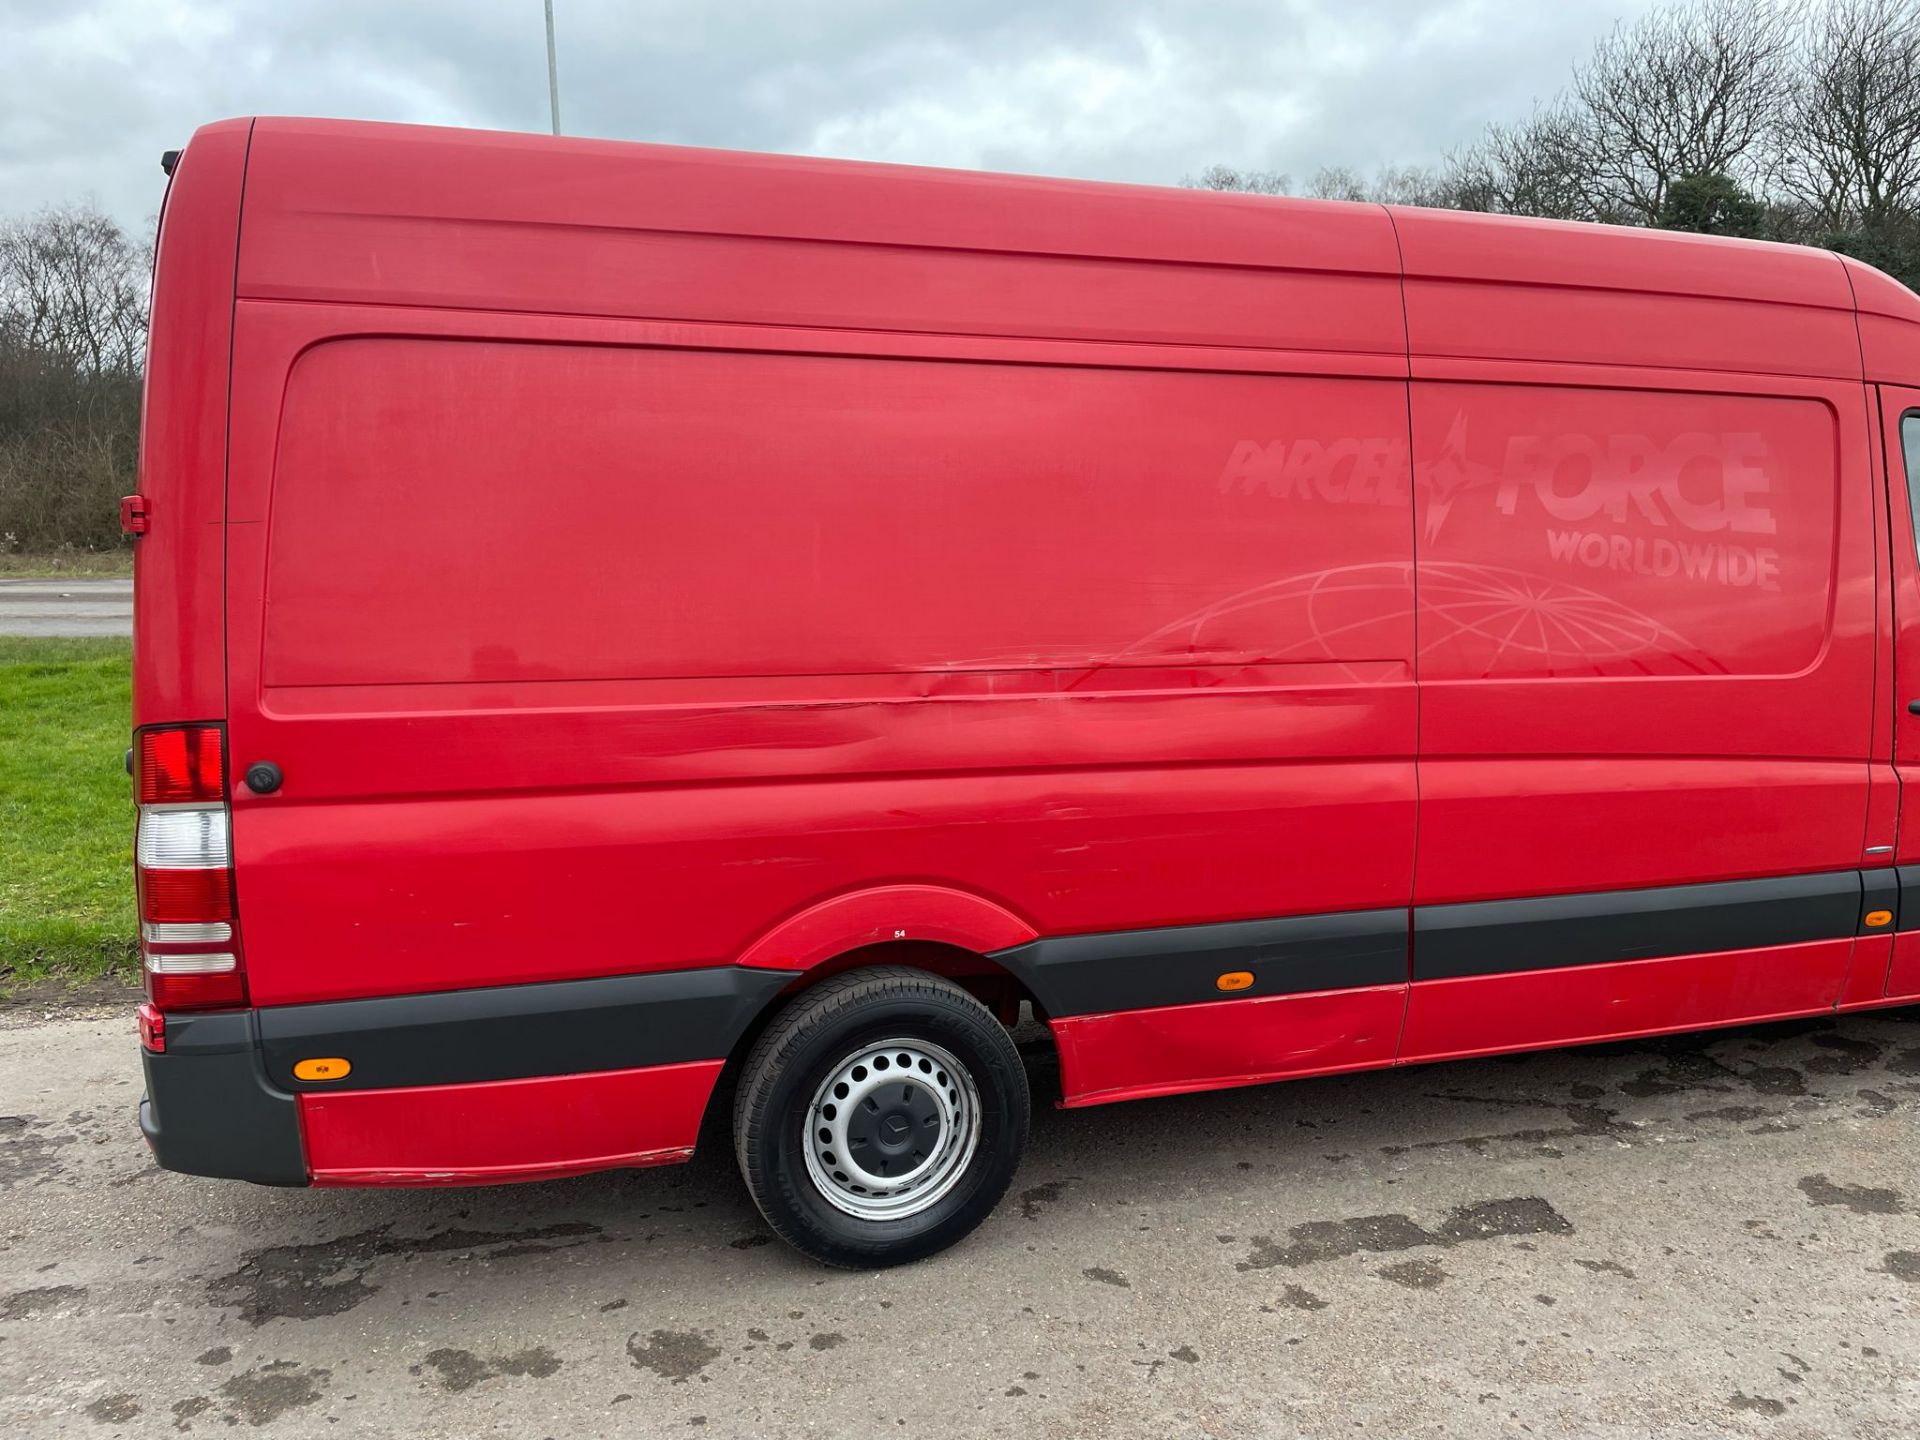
{"x":553,"y":72}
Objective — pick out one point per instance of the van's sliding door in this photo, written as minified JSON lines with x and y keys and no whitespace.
{"x":1647,"y":636}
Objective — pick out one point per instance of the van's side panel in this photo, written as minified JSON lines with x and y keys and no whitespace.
{"x":178,"y":671}
{"x":533,"y":764}
{"x":1078,"y":594}
{"x":1647,"y":635}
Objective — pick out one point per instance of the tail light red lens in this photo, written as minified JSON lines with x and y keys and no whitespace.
{"x":181,"y":765}
{"x":178,"y":898}
{"x":183,"y":868}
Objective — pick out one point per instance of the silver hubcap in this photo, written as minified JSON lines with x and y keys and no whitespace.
{"x":891,"y":1129}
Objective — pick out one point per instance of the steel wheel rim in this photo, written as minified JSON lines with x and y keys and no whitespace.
{"x":891,"y":1129}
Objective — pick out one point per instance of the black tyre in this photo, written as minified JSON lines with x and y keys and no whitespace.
{"x":880,"y":1117}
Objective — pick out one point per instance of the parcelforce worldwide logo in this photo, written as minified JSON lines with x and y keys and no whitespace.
{"x":1692,"y":508}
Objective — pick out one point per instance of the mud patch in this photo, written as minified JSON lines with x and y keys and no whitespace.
{"x":1607,"y":1267}
{"x":675,"y":1355}
{"x":305,"y":1282}
{"x":1904,"y":1265}
{"x":1036,"y":1198}
{"x":1776,"y":1080}
{"x":462,"y":1369}
{"x":187,"y":1410}
{"x":114,"y":1409}
{"x":1416,"y":1274}
{"x":1491,"y":1219}
{"x":1686,"y":1070}
{"x":827,"y":1340}
{"x":1583,"y":1121}
{"x":28,"y":1154}
{"x":1848,"y":1057}
{"x":22,"y":1303}
{"x":1298,"y":1297}
{"x":266,"y":1392}
{"x":1320,"y":1240}
{"x":1860,"y":1199}
{"x":1759,"y":1404}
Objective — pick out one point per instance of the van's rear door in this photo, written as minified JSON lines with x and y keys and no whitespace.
{"x":179,"y":651}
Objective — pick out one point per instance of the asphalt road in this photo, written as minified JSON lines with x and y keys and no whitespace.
{"x":66,"y":607}
{"x":1712,"y":1236}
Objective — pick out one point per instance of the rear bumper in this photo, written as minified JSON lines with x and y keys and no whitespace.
{"x":210,"y":1109}
{"x":470,"y":1087}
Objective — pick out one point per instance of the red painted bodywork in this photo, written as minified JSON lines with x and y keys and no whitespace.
{"x":178,"y":574}
{"x":1164,"y":1051}
{"x":640,"y":558}
{"x":506,"y":1130}
{"x":1488,"y":1014}
{"x":1903,"y":972}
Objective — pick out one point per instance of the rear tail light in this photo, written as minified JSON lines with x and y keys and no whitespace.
{"x":183,"y":868}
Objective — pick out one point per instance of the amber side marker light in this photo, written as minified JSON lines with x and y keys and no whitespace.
{"x":1235,"y":980}
{"x":328,"y":1069}
{"x":1876,"y":918}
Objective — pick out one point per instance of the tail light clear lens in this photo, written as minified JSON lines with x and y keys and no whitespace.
{"x":183,"y":867}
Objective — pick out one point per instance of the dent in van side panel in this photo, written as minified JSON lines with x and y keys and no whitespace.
{"x":1170,"y":1049}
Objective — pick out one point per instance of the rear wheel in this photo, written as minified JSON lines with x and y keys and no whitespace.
{"x":880,"y":1118}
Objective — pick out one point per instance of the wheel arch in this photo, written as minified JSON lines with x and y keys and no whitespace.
{"x":946,"y":931}
{"x":887,"y":914}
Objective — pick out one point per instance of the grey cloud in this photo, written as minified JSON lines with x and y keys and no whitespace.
{"x":1136,"y":91}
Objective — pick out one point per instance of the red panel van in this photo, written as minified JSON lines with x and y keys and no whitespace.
{"x":609,"y":616}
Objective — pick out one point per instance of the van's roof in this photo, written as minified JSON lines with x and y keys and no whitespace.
{"x":329,"y":203}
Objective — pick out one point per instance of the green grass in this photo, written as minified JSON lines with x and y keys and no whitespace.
{"x":66,"y":810}
{"x":80,"y":564}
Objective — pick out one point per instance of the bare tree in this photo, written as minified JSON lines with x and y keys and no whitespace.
{"x":1541,"y":166}
{"x":1849,"y":138}
{"x":1773,"y":118}
{"x":1246,"y":182}
{"x":1414,"y":185}
{"x":73,"y":287}
{"x":1336,"y":182}
{"x":73,"y":323}
{"x":1393,"y":185}
{"x":1690,"y":90}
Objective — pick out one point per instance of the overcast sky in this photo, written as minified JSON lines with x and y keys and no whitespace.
{"x":91,"y":91}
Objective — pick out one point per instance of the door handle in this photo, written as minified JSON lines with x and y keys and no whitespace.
{"x":1913,"y":707}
